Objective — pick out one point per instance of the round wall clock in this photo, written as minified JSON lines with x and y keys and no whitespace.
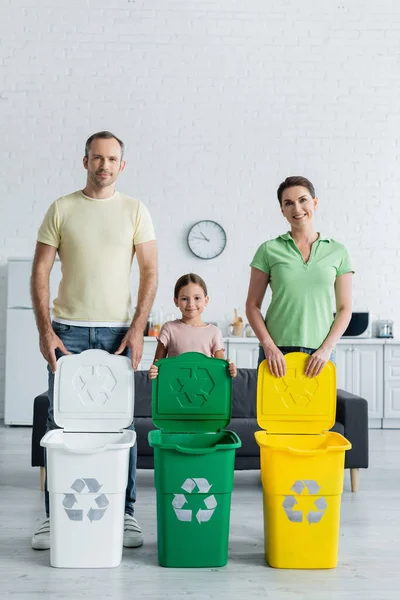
{"x":206,"y":239}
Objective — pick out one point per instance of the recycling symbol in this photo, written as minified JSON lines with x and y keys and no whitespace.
{"x":95,"y":383}
{"x":94,"y":513}
{"x":186,"y":514}
{"x":296,"y":388}
{"x":312,"y":516}
{"x":193,"y":386}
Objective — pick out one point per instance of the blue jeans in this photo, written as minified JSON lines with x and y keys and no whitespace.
{"x":76,"y":340}
{"x":287,"y":349}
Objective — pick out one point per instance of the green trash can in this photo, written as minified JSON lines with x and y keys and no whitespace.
{"x":193,"y":460}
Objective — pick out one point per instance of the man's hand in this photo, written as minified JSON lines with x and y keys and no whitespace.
{"x":49,"y":341}
{"x":153,"y":372}
{"x":317,"y":361}
{"x":134,"y":341}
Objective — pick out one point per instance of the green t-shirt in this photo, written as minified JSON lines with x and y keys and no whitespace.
{"x":301,"y":308}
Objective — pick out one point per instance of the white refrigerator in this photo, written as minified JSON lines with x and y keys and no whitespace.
{"x":26,"y":372}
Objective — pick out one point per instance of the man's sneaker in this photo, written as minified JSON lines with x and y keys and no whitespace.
{"x":133,"y":536}
{"x":41,"y":538}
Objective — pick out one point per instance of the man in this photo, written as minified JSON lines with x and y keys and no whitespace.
{"x":96,"y":232}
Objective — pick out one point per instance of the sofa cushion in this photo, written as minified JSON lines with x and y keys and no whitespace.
{"x":142,"y":394}
{"x":244,"y":394}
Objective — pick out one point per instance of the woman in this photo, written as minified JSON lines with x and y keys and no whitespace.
{"x":303,"y":269}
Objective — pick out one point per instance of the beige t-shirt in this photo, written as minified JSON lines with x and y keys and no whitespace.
{"x":96,"y":242}
{"x":178,"y":338}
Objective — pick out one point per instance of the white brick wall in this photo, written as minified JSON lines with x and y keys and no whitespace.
{"x":217,"y":102}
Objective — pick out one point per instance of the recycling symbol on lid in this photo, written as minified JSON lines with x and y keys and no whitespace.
{"x":295,"y":515}
{"x":193,"y":387}
{"x":186,"y":514}
{"x":95,"y":383}
{"x":296,"y":388}
{"x":96,"y":512}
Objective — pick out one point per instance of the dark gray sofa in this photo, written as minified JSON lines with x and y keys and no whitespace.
{"x":351,"y":421}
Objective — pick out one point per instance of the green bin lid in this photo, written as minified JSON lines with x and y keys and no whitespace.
{"x":192,"y":393}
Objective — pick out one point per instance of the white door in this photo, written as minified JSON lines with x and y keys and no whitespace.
{"x":344,"y":367}
{"x":368,"y":379}
{"x":243,"y":354}
{"x":26,"y":372}
{"x":391,"y":412}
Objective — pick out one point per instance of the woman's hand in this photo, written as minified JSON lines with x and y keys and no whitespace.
{"x":317,"y":361}
{"x":153,"y":372}
{"x":276,"y":360}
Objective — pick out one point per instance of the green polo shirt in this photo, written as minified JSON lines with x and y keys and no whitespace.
{"x":302,"y":304}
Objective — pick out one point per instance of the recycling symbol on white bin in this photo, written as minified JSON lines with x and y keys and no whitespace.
{"x":95,"y":383}
{"x":186,"y":514}
{"x":289,"y":503}
{"x":94,"y":513}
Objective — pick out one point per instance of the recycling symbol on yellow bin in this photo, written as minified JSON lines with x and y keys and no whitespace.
{"x":94,"y":513}
{"x":295,"y":515}
{"x":296,"y":388}
{"x":186,"y":514}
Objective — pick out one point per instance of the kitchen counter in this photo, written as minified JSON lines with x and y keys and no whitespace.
{"x":347,"y":340}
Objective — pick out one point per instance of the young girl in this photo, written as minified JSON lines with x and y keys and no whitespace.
{"x":189,"y":333}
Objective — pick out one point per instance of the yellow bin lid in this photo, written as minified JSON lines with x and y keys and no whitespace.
{"x":296,"y":403}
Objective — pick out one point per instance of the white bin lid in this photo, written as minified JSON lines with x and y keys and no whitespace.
{"x":93,"y":391}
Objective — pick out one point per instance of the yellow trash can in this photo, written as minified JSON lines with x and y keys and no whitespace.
{"x":302,"y":465}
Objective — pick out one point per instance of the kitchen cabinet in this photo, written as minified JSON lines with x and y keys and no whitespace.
{"x":149,"y":349}
{"x":392,"y":386}
{"x":359,"y":370}
{"x":243,"y":352}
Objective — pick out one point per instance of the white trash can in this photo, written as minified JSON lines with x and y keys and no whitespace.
{"x":87,"y":460}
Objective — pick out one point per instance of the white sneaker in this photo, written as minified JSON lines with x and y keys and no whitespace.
{"x":133,"y":536}
{"x":41,"y":537}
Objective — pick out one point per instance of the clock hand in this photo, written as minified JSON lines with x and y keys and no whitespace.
{"x":196,"y":237}
{"x":204,"y":236}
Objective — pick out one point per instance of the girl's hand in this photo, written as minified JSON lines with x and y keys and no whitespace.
{"x":153,"y":372}
{"x":232,"y":369}
{"x":317,"y":361}
{"x":276,"y":360}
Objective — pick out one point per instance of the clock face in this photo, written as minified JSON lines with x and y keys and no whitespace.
{"x":206,"y":239}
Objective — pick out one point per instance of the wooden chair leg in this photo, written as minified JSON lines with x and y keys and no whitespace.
{"x":42,"y":478}
{"x":354,"y":478}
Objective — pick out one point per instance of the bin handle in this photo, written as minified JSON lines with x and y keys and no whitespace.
{"x":195,"y":450}
{"x":86,"y":450}
{"x":307,"y":452}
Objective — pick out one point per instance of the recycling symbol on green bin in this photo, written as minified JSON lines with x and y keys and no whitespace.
{"x":193,"y":386}
{"x":312,"y":516}
{"x":186,"y":514}
{"x":94,"y":513}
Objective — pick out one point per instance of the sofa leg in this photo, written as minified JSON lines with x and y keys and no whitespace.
{"x":354,"y":478}
{"x":42,"y":478}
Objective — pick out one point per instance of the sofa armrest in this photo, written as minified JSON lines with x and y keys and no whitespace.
{"x":352,"y":412}
{"x":40,"y":410}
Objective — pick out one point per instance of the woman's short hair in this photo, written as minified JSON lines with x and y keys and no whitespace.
{"x":189,"y":278}
{"x":293,"y":181}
